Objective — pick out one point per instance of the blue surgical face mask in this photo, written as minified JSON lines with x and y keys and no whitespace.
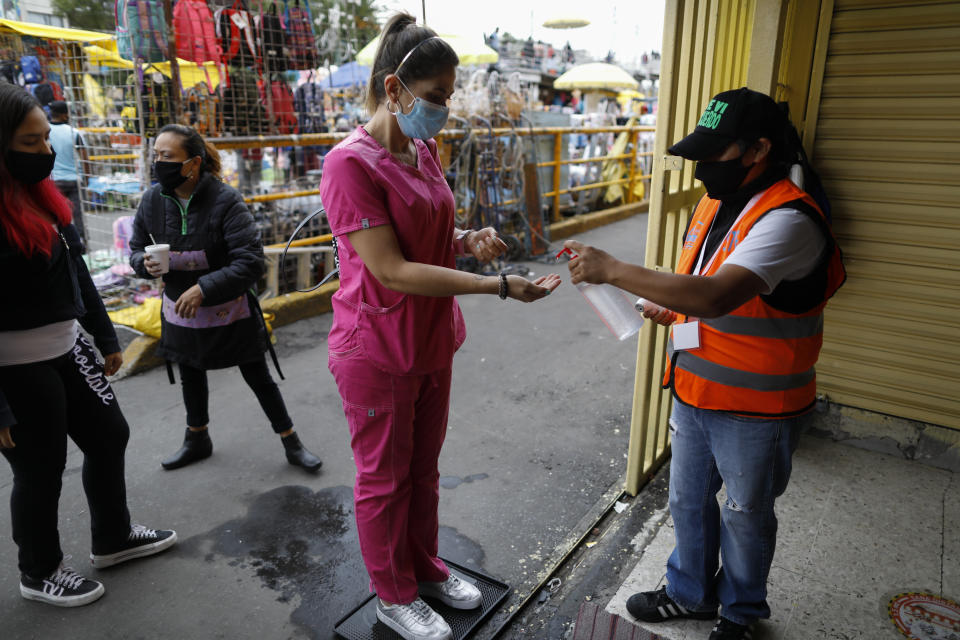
{"x":425,"y":119}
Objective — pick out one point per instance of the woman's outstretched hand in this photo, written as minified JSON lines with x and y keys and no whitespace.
{"x":524,"y":290}
{"x":485,"y":244}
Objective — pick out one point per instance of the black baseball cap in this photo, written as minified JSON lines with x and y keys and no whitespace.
{"x":59,"y":107}
{"x":741,"y":114}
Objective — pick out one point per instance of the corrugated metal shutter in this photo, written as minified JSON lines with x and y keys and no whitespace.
{"x":888,"y":146}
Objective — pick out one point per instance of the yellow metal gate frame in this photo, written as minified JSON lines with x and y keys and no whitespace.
{"x":709,"y":46}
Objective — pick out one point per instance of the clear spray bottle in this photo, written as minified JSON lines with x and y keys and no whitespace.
{"x":611,"y":304}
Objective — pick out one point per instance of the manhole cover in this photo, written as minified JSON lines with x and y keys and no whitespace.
{"x":924,"y":616}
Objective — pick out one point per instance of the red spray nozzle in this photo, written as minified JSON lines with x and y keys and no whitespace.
{"x":567,"y":251}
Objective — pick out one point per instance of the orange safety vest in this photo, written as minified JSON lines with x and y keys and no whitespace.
{"x":756,"y":360}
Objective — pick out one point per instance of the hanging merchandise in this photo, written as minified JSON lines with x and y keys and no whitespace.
{"x":284,"y":115}
{"x":272,"y":38}
{"x":43,"y":92}
{"x":300,"y":40}
{"x":141,"y":30}
{"x":10,"y":72}
{"x":234,"y":28}
{"x":156,"y":106}
{"x":201,"y":107}
{"x":30,"y":67}
{"x":308,"y":100}
{"x":241,"y":108}
{"x":93,"y":96}
{"x":196,"y":36}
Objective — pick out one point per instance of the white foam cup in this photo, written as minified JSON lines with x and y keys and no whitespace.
{"x":160,"y":253}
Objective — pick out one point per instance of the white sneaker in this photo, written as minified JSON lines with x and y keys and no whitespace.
{"x":453,"y":592}
{"x":414,"y":621}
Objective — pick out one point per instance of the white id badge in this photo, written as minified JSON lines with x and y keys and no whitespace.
{"x":686,"y":336}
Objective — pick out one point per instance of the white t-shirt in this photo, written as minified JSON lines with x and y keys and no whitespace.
{"x":37,"y":345}
{"x":785,"y":244}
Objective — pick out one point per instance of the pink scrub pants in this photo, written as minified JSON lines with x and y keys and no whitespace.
{"x":397,"y":426}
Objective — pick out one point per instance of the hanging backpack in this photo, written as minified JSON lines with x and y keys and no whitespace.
{"x":141,"y":30}
{"x":300,"y":40}
{"x":196,"y":35}
{"x":802,"y":172}
{"x":234,"y":29}
{"x":284,"y":114}
{"x":43,"y":92}
{"x":308,"y":100}
{"x":30,"y":67}
{"x":273,"y":39}
{"x":241,"y":110}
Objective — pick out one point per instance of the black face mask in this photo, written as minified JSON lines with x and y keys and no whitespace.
{"x":721,"y":178}
{"x":168,"y":174}
{"x":30,"y":168}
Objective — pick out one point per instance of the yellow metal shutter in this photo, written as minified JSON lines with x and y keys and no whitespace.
{"x":888,"y":147}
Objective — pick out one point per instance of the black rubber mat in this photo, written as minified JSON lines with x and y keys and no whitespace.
{"x":362,"y":623}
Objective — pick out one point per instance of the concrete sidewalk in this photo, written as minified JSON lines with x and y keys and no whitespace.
{"x":538,"y":432}
{"x":856,"y":527}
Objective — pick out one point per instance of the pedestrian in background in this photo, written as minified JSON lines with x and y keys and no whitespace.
{"x":210,"y":316}
{"x":68,"y":144}
{"x":758,"y":264}
{"x":396,"y":323}
{"x":52,"y":382}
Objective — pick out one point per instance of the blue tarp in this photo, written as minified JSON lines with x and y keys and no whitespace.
{"x":349,"y":75}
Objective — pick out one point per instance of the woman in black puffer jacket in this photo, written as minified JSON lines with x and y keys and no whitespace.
{"x":210,"y":317}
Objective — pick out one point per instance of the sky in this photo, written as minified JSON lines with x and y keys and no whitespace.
{"x":628,"y":28}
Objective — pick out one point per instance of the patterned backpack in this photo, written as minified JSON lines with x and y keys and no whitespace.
{"x":273,"y":39}
{"x":141,"y":30}
{"x":284,"y":114}
{"x":234,"y":27}
{"x":300,"y":40}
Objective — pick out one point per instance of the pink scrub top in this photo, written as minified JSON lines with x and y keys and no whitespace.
{"x":364,"y":186}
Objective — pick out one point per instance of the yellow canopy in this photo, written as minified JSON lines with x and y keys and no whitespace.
{"x":101,"y":56}
{"x":470,"y":50}
{"x":191,"y":74}
{"x":566,"y":22}
{"x":52,"y":33}
{"x":596,"y":75}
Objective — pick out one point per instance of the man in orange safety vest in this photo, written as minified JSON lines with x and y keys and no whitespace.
{"x":758,"y":263}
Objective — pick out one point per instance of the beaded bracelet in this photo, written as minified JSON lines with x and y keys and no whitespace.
{"x":503,"y":287}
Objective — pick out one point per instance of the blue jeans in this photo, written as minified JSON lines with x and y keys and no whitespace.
{"x":752,"y":458}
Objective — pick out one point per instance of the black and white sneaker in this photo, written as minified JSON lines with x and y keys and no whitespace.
{"x":657,"y":606}
{"x":727,"y":630}
{"x":140,"y":543}
{"x":62,"y":588}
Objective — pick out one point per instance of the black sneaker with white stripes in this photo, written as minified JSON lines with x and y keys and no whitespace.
{"x":657,"y":606}
{"x":728,"y":630}
{"x":140,"y":543}
{"x":62,"y":588}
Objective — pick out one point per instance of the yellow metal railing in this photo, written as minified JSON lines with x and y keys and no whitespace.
{"x":448,"y":135}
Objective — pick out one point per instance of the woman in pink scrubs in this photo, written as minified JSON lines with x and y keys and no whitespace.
{"x":396,"y":324}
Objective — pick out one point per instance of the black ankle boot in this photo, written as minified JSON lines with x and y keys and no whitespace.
{"x":197,"y":445}
{"x":297,"y":454}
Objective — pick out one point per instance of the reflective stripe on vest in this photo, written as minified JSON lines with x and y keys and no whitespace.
{"x":756,"y":360}
{"x":798,"y":327}
{"x":689,"y":361}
